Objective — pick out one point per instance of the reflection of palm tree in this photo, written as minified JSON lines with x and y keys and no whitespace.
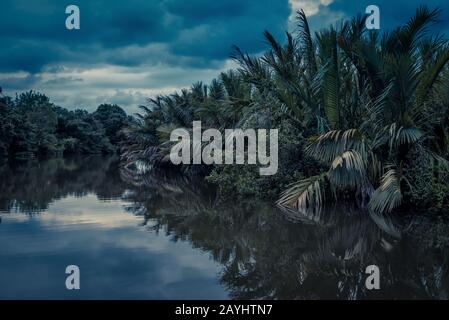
{"x":265,"y":256}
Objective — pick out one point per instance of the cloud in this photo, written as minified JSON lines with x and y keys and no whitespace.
{"x":129,"y":87}
{"x":310,"y":7}
{"x":128,"y":51}
{"x":392,"y":13}
{"x":321,"y":13}
{"x":34,"y":34}
{"x":125,"y":51}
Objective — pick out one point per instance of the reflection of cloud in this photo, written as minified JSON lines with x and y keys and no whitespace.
{"x":73,"y":211}
{"x":89,"y":213}
{"x":118,"y":258}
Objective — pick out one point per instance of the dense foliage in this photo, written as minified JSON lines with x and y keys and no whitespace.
{"x":30,"y":125}
{"x":361,"y":114}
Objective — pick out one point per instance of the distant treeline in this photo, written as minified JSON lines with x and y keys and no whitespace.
{"x":32,"y":126}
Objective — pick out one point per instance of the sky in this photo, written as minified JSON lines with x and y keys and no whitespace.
{"x":128,"y":51}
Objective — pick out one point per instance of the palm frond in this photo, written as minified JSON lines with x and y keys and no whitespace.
{"x":399,"y":135}
{"x":330,"y":86}
{"x":405,"y":38}
{"x":348,"y":170}
{"x":307,"y":48}
{"x":388,"y":196}
{"x":328,"y":146}
{"x":431,"y":75}
{"x":306,"y":194}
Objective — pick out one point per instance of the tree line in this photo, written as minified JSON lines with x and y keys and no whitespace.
{"x":32,"y":126}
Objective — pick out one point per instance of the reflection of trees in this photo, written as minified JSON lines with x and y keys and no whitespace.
{"x":266,"y":256}
{"x":31,"y":186}
{"x":264,"y":253}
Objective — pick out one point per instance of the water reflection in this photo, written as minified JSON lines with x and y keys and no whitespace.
{"x":211,"y":248}
{"x":62,"y":212}
{"x":30,"y":187}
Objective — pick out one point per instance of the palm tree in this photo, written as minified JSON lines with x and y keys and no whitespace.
{"x":366,"y":104}
{"x":218,"y":105}
{"x":377,"y":98}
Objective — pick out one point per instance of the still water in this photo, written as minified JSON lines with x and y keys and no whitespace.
{"x":162,"y":237}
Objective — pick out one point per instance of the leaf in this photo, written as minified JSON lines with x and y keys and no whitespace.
{"x":307,"y":193}
{"x":388,"y":196}
{"x":348,"y":170}
{"x":328,"y":146}
{"x":308,"y":48}
{"x":431,"y":75}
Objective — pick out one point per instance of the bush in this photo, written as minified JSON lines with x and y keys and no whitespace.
{"x":429,"y":184}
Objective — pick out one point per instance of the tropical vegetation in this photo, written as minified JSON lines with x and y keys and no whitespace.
{"x":362,"y":116}
{"x":32,"y":126}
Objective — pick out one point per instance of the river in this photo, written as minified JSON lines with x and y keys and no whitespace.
{"x":170,"y":237}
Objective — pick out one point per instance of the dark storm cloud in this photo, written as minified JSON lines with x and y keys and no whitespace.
{"x":34,"y":35}
{"x":127,"y":51}
{"x":22,"y":82}
{"x":393,"y":13}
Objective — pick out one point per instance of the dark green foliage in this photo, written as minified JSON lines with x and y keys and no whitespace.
{"x":232,"y":180}
{"x":429,"y":184}
{"x":112,"y":117}
{"x":351,"y":106}
{"x":30,"y":125}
